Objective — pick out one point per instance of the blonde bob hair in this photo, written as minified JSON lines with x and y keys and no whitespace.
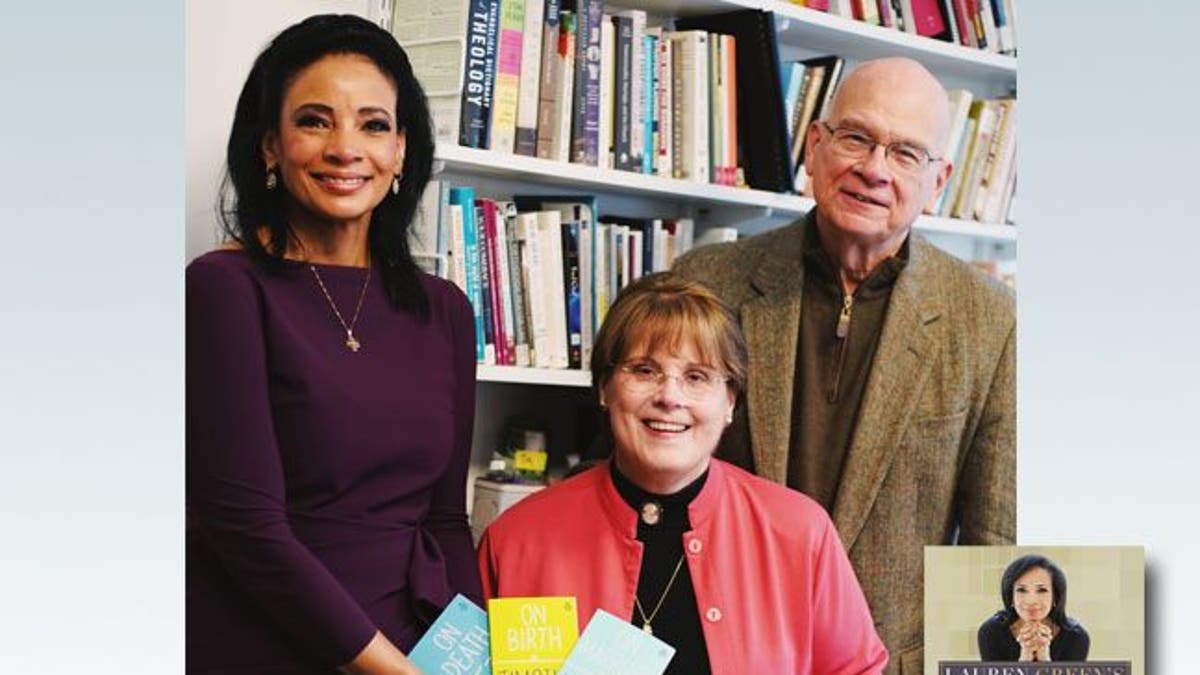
{"x":664,"y":310}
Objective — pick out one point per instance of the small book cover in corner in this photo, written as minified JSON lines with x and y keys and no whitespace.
{"x":456,"y":643}
{"x":531,"y":635}
{"x":610,"y":646}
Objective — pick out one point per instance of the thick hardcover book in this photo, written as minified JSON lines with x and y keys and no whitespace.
{"x":464,"y":197}
{"x":549,"y":85}
{"x":455,"y":254}
{"x":960,"y":105}
{"x":1004,"y":32}
{"x":608,"y":63}
{"x":516,"y":286}
{"x":637,"y":86}
{"x":585,"y":123}
{"x":623,"y":93}
{"x":611,"y":646}
{"x":814,"y":78}
{"x":762,"y":124}
{"x":507,"y":88}
{"x":456,"y":643}
{"x":664,"y":109}
{"x":531,"y":73}
{"x":483,"y":24}
{"x":531,"y":636}
{"x":692,"y":106}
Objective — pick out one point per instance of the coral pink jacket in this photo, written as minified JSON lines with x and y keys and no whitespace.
{"x":774,"y":587}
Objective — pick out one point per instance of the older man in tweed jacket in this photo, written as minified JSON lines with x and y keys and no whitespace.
{"x":882,"y":370}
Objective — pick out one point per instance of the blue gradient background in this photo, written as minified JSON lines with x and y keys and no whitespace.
{"x":91,"y":317}
{"x":91,"y":337}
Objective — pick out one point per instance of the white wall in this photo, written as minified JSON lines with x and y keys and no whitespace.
{"x":223,"y":39}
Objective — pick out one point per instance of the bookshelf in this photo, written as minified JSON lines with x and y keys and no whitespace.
{"x":562,"y":397}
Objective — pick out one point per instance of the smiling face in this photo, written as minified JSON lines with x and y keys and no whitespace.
{"x":337,"y":148}
{"x":1033,"y":594}
{"x":866,"y":200}
{"x":664,"y":438}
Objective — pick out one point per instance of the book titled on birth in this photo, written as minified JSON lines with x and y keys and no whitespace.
{"x":457,"y":643}
{"x":531,"y":636}
{"x":611,"y":646}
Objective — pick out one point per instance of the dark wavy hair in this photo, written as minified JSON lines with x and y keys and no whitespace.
{"x":247,"y":206}
{"x":1058,"y":582}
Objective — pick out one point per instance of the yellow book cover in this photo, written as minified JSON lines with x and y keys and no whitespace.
{"x":531,"y":636}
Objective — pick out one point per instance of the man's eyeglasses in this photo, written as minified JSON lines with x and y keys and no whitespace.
{"x":643,"y":377}
{"x":855,"y":144}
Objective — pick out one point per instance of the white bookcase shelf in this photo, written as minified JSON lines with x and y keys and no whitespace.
{"x":560,"y":377}
{"x":461,"y":160}
{"x":583,"y":178}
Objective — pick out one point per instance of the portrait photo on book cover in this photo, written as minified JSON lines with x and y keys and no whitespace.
{"x":1034,"y":610}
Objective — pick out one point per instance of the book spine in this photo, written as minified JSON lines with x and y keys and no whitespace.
{"x":680,"y":105}
{"x":585,"y":125}
{"x":489,"y":71}
{"x":531,"y":71}
{"x":443,"y":231}
{"x":561,"y":147}
{"x":550,"y":239}
{"x":487,"y":285}
{"x":637,"y":103}
{"x":649,"y":51}
{"x":622,"y":152}
{"x":505,"y":286}
{"x":664,"y":117}
{"x":464,"y":198}
{"x":535,"y":297}
{"x":507,"y":88}
{"x":456,"y":252}
{"x":715,"y":111}
{"x":549,"y":85}
{"x":963,"y":22}
{"x":608,"y":62}
{"x":516,"y":287}
{"x":729,"y":98}
{"x":475,"y":96}
{"x":572,"y":310}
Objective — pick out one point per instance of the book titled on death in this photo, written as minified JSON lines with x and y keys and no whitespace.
{"x":457,"y":643}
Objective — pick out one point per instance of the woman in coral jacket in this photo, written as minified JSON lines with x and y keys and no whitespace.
{"x":740,"y":575}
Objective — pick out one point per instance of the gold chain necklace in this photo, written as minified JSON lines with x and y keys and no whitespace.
{"x":352,"y":342}
{"x":638,"y":603}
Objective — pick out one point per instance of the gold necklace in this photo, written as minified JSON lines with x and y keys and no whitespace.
{"x":638,"y":603}
{"x":352,"y":342}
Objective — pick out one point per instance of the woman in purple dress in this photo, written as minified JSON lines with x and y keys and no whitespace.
{"x":330,"y":383}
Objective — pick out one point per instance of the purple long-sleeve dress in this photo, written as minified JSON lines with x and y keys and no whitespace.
{"x":325,"y":488}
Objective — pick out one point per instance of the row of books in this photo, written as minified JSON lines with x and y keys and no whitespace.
{"x":980,"y":24}
{"x":540,"y":271}
{"x":532,"y":635}
{"x":808,"y":88}
{"x":564,"y":80}
{"x":983,"y":145}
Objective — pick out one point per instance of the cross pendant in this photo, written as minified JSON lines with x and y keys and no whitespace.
{"x":352,"y":343}
{"x":646,"y":629}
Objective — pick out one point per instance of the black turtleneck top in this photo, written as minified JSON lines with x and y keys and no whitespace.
{"x":677,"y":621}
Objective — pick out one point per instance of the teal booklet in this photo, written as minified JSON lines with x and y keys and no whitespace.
{"x":456,"y":643}
{"x":610,"y":646}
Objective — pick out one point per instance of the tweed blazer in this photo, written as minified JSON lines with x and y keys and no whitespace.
{"x":932,"y":456}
